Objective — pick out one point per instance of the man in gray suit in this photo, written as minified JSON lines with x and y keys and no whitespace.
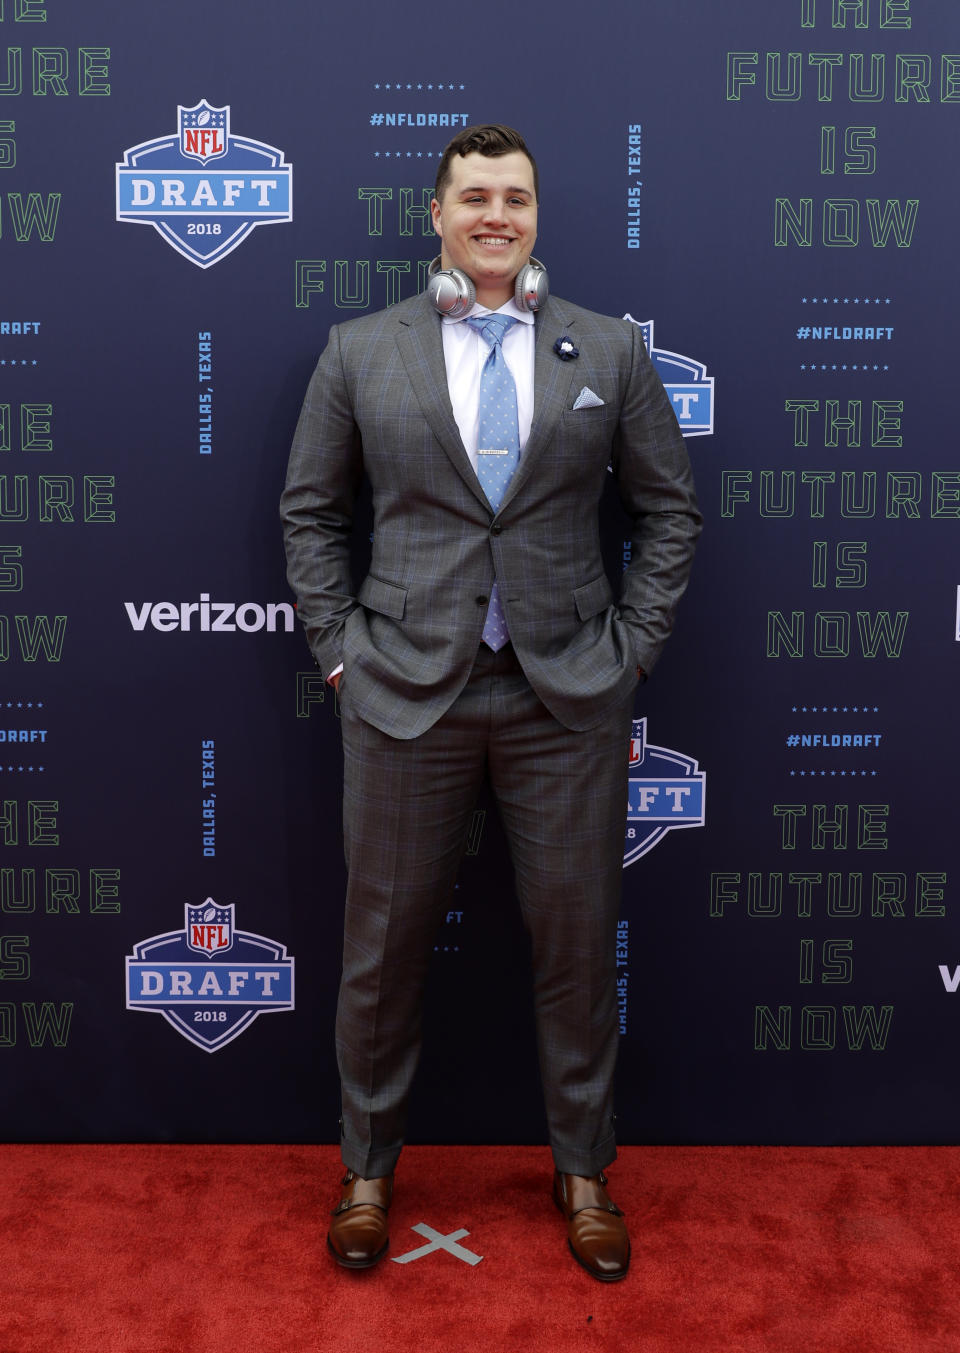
{"x":485,"y":640}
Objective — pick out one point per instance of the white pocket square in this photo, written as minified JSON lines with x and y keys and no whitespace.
{"x":587,"y":399}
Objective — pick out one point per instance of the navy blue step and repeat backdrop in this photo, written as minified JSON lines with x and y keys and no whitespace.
{"x":189,"y":198}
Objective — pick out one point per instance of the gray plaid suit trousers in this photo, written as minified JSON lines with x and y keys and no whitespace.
{"x":407,"y":810}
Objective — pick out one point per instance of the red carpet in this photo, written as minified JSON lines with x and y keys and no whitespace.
{"x":220,"y":1249}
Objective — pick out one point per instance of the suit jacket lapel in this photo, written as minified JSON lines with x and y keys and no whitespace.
{"x":552,"y":379}
{"x":421,"y":348}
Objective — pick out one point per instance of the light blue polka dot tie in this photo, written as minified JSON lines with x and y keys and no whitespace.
{"x":498,"y":443}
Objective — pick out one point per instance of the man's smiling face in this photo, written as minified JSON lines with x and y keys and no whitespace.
{"x":487,"y":221}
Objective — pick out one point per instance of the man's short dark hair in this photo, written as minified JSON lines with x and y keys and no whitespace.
{"x":491,"y":139}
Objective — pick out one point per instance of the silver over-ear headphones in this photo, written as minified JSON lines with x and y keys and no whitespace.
{"x":453,"y":293}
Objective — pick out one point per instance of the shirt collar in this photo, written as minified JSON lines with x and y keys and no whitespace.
{"x":508,"y":308}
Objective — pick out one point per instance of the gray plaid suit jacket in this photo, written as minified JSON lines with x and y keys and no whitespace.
{"x":378,"y":405}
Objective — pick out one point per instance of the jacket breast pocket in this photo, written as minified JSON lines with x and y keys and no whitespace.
{"x":580,"y":429}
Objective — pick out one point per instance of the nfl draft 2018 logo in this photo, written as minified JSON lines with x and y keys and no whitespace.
{"x":201,"y":187}
{"x":688,"y":387}
{"x":209,"y":980}
{"x":665,"y":790}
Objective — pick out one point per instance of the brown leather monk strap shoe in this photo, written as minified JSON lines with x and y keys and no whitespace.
{"x":358,"y":1233}
{"x":595,"y":1226}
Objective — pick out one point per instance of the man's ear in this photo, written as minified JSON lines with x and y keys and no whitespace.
{"x":435,"y":214}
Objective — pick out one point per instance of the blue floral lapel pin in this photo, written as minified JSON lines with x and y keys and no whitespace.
{"x":564,"y":348}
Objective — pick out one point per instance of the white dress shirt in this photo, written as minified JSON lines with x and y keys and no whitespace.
{"x":464,"y":353}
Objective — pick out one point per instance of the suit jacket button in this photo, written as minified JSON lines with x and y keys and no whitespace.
{"x":495,"y":529}
{"x":482,"y":600}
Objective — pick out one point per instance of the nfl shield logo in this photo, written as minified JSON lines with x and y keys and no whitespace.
{"x":689,"y":388}
{"x":204,"y":212}
{"x":665,"y":790}
{"x":204,"y":131}
{"x":209,"y":980}
{"x":209,"y":928}
{"x":638,"y":742}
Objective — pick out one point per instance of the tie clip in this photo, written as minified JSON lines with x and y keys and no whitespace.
{"x":492,"y":451}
